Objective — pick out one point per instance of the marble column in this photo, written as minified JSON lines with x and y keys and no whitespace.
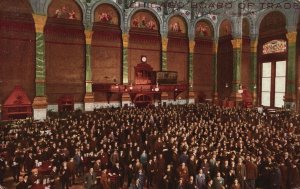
{"x":125,"y":39}
{"x":164,"y":66}
{"x":191,"y":97}
{"x":253,"y":70}
{"x":89,"y":95}
{"x":215,"y":71}
{"x":237,"y":61}
{"x":126,"y":100}
{"x":40,"y":101}
{"x":290,"y":94}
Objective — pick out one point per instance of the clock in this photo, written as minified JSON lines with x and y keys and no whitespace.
{"x":143,"y":59}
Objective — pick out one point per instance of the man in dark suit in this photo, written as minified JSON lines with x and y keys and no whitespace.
{"x":24,"y":184}
{"x":251,"y":172}
{"x":90,"y":179}
{"x":2,"y":169}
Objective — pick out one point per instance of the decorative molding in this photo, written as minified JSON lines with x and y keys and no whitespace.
{"x":291,"y":37}
{"x":39,"y":102}
{"x":40,"y":22}
{"x":215,"y":47}
{"x":88,"y":36}
{"x":40,"y":81}
{"x":253,"y":45}
{"x":236,"y":43}
{"x":191,"y":46}
{"x":125,"y":38}
{"x":164,"y":42}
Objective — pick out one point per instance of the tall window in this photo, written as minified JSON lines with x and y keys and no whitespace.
{"x":280,"y":83}
{"x":273,"y":83}
{"x":273,"y":76}
{"x":266,"y":84}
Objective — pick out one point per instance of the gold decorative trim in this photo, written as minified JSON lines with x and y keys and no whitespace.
{"x":164,"y":42}
{"x":291,"y":37}
{"x":253,"y":45}
{"x":89,"y":81}
{"x":236,"y":43}
{"x":88,"y":36}
{"x":40,"y":81}
{"x":125,"y":38}
{"x":40,"y":22}
{"x":40,"y":102}
{"x":215,"y":47}
{"x":192,"y":46}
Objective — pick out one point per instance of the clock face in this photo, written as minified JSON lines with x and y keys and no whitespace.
{"x":144,"y":59}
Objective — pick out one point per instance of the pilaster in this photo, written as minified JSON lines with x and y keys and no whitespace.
{"x":237,"y":60}
{"x":290,"y":95}
{"x":89,"y":96}
{"x":125,"y":39}
{"x":40,"y":101}
{"x":164,"y":42}
{"x":253,"y":69}
{"x":191,"y":95}
{"x":215,"y":71}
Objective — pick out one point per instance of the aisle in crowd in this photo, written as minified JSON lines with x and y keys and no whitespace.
{"x":182,"y":147}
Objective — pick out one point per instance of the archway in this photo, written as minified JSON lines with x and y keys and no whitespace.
{"x":64,"y":51}
{"x":224,"y":61}
{"x":203,"y":59}
{"x":178,"y":49}
{"x":144,"y":41}
{"x":106,"y":51}
{"x":272,"y":60}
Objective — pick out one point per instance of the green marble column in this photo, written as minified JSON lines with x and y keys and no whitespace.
{"x":40,"y":65}
{"x":89,"y":96}
{"x":125,"y":58}
{"x":164,"y":61}
{"x":290,"y":96}
{"x":191,"y":68}
{"x":40,"y":103}
{"x":237,"y":60}
{"x":164,"y":65}
{"x":88,"y":69}
{"x":191,"y":58}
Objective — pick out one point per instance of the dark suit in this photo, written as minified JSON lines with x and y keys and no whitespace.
{"x":89,"y":180}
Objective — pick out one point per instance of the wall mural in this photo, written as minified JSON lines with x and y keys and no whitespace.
{"x":203,"y":29}
{"x":144,"y":19}
{"x":177,"y":24}
{"x":225,"y":28}
{"x":64,"y":9}
{"x":274,"y":46}
{"x":106,"y":14}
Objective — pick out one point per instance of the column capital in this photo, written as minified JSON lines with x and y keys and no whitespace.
{"x":39,"y":22}
{"x":191,"y":46}
{"x":215,"y":47}
{"x":237,"y":43}
{"x":253,"y":45}
{"x":125,"y":38}
{"x":88,"y":36}
{"x":164,"y":42}
{"x":291,"y":37}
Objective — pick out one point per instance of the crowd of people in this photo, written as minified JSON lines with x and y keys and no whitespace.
{"x":198,"y":146}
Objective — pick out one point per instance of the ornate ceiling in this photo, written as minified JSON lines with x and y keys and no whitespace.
{"x":213,"y":11}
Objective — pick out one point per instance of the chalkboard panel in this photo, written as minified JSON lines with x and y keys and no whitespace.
{"x":166,"y":77}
